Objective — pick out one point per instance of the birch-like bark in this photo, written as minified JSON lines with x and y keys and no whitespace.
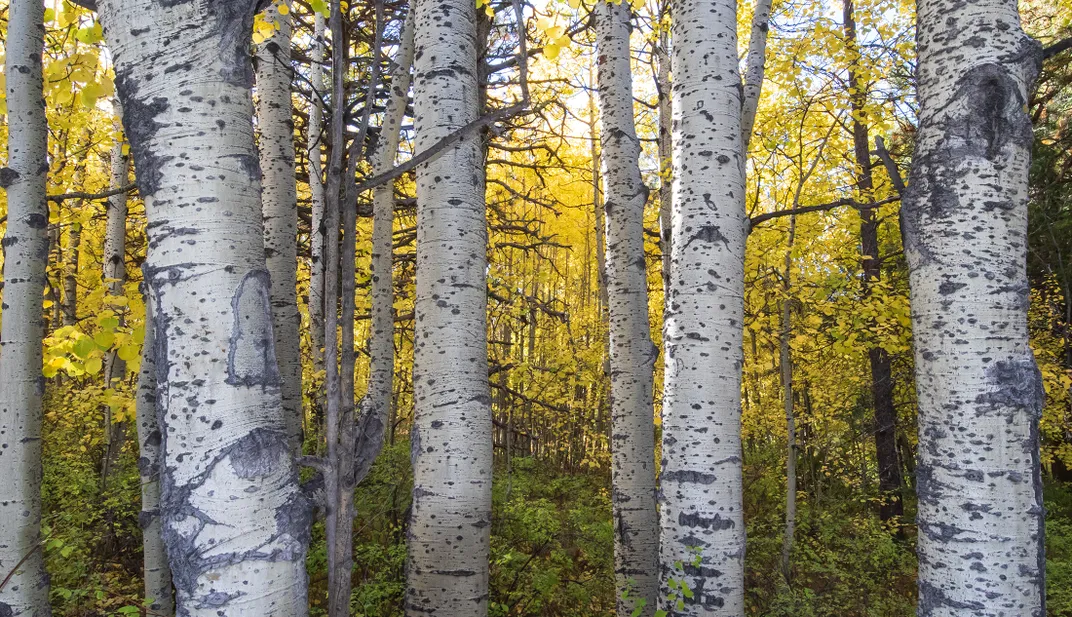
{"x":314,"y":142}
{"x":666,"y":154}
{"x":279,"y":205}
{"x":233,"y":518}
{"x":115,"y":276}
{"x":156,"y":573}
{"x":632,"y":354}
{"x":377,"y":402}
{"x":26,"y":254}
{"x":754,"y":69}
{"x":451,"y":439}
{"x":889,"y":465}
{"x":701,"y":484}
{"x":978,"y":386}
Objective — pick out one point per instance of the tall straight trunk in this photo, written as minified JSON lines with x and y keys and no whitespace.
{"x":314,"y":142}
{"x":159,"y":596}
{"x":25,"y":246}
{"x":115,"y":276}
{"x":666,"y":155}
{"x":889,"y":466}
{"x":377,"y":402}
{"x":754,"y":69}
{"x":279,"y":206}
{"x":632,"y":354}
{"x":978,"y":387}
{"x":701,"y":485}
{"x":785,"y":360}
{"x":335,"y":521}
{"x":451,"y":438}
{"x":234,"y":520}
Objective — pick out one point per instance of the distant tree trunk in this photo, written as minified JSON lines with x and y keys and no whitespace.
{"x":115,"y":276}
{"x":451,"y":438}
{"x":377,"y":402}
{"x":279,"y":204}
{"x":157,"y":574}
{"x":979,"y":389}
{"x":234,"y":520}
{"x":25,"y":257}
{"x":666,"y":155}
{"x":314,"y":143}
{"x":338,"y":528}
{"x":889,"y":466}
{"x":701,"y":485}
{"x":785,"y":360}
{"x":632,"y":354}
{"x":71,"y":257}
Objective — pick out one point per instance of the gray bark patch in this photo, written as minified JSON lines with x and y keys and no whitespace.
{"x":251,"y":354}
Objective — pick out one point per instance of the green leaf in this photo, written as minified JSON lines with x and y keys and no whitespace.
{"x":83,"y":347}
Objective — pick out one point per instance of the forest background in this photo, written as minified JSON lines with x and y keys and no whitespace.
{"x":807,"y":312}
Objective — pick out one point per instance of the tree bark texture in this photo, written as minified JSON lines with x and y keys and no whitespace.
{"x":701,"y":484}
{"x":279,"y":206}
{"x":156,"y":573}
{"x":632,"y":353}
{"x":26,"y":256}
{"x":451,"y":439}
{"x":233,"y":518}
{"x":979,"y":389}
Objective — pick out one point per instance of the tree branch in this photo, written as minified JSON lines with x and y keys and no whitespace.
{"x":92,"y":196}
{"x":1056,"y":48}
{"x":763,"y":218}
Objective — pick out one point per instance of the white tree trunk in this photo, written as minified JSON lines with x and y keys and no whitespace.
{"x":701,"y":487}
{"x":632,"y":354}
{"x":377,"y":402}
{"x":314,"y":143}
{"x":666,"y":155}
{"x":115,"y":276}
{"x":26,"y":255}
{"x":451,"y":439}
{"x":279,"y":204}
{"x":234,"y":521}
{"x":979,"y":390}
{"x":156,"y":573}
{"x":754,"y":69}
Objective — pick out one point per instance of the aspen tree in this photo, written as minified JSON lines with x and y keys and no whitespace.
{"x":451,"y":438}
{"x":702,"y":529}
{"x":632,"y":353}
{"x":233,"y":518}
{"x":25,"y":594}
{"x":279,"y":204}
{"x":978,"y":386}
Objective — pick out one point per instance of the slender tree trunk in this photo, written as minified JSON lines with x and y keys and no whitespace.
{"x":279,"y":205}
{"x":754,"y":69}
{"x":666,"y":156}
{"x":979,"y":389}
{"x":889,"y":467}
{"x":786,"y":363}
{"x":451,"y":438}
{"x":115,"y":276}
{"x":377,"y":402}
{"x":234,"y":521}
{"x":157,"y":574}
{"x":632,"y":354}
{"x":338,"y":573}
{"x":314,"y":143}
{"x":25,"y":244}
{"x":70,"y":266}
{"x":701,"y":486}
